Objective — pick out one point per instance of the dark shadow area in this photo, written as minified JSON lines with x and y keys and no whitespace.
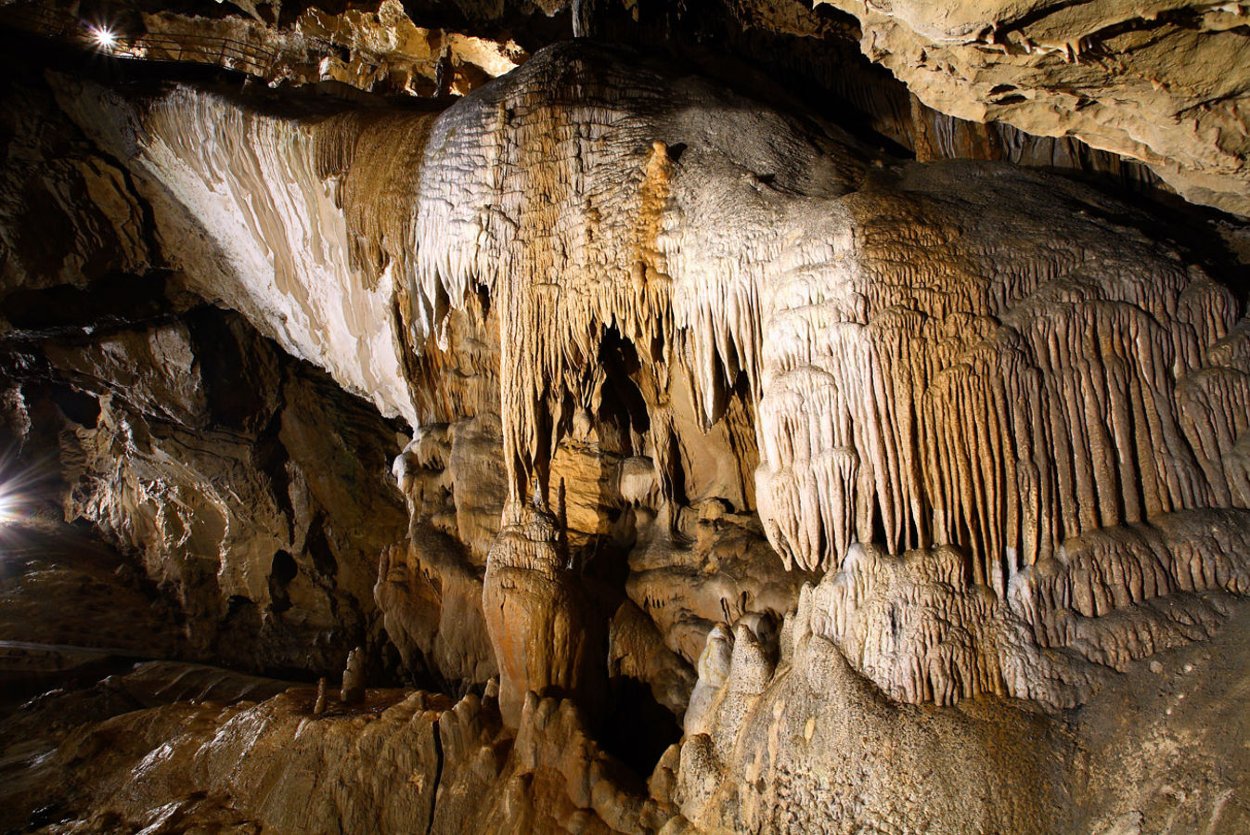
{"x":280,"y":576}
{"x":112,"y":302}
{"x":638,"y":729}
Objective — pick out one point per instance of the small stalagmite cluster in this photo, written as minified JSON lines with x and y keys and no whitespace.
{"x":642,"y":457}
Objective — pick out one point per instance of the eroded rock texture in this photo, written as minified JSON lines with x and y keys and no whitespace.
{"x":1163,"y":82}
{"x":237,"y":498}
{"x":687,"y":439}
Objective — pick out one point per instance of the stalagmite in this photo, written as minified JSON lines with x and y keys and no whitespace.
{"x":319,"y":706}
{"x":353,"y":689}
{"x":538,"y":619}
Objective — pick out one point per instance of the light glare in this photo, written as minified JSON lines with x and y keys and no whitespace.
{"x":104,"y":38}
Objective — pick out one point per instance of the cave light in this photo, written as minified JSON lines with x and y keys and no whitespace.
{"x":19,"y":490}
{"x":104,"y":37}
{"x":8,"y":505}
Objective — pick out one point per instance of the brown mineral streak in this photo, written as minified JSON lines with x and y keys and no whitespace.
{"x":374,"y":159}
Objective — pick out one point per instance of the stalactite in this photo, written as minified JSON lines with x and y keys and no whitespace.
{"x":997,"y":400}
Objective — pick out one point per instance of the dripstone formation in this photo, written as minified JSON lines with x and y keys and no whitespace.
{"x":642,"y":452}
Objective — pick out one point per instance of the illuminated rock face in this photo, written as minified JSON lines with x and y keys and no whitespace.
{"x":1163,"y":82}
{"x":229,"y":470}
{"x":903,"y":459}
{"x":940,"y":372}
{"x":378,"y":49}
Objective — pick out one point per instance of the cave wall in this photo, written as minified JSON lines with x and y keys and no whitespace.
{"x":253,"y":490}
{"x":1163,"y":83}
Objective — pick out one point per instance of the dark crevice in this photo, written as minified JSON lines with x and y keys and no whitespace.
{"x":622,"y":403}
{"x":437,"y":735}
{"x":79,"y":407}
{"x":111,"y":303}
{"x":319,"y":548}
{"x":282,"y":572}
{"x":232,"y":363}
{"x":638,"y":729}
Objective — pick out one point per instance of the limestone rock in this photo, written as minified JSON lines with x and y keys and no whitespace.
{"x":819,"y":749}
{"x":1160,"y":82}
{"x":881,"y":475}
{"x":353,"y":689}
{"x":406,"y":760}
{"x":538,"y":618}
{"x":233,"y":496}
{"x":68,"y":215}
{"x":431,"y":602}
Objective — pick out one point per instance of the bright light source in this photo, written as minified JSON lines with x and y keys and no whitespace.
{"x":104,"y":38}
{"x":19,"y":496}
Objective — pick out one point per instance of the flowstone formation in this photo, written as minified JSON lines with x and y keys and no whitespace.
{"x":755,"y":479}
